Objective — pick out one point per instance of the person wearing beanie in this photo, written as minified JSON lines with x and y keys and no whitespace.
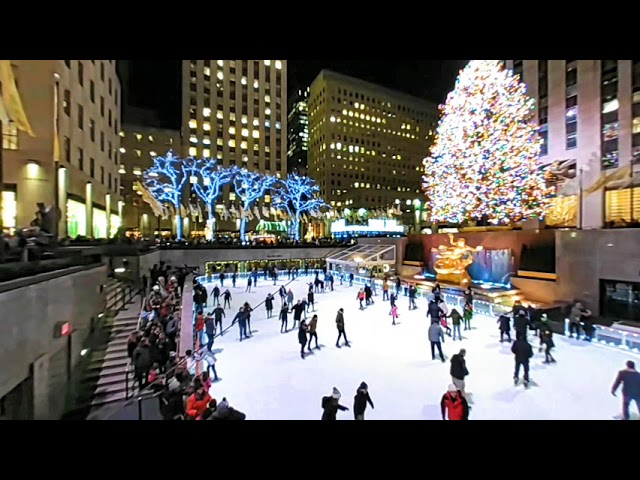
{"x":546,"y":339}
{"x":360,"y":401}
{"x":331,"y":405}
{"x":629,"y":378}
{"x":302,"y":337}
{"x":340,"y":327}
{"x":454,"y":405}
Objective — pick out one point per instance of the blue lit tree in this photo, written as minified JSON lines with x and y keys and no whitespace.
{"x":211,"y":177}
{"x":165,"y":181}
{"x":298,"y":195}
{"x":249,"y":187}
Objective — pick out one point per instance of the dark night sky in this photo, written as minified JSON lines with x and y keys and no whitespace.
{"x":155,"y":84}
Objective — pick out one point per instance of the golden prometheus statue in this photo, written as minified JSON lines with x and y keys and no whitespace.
{"x":452,"y":261}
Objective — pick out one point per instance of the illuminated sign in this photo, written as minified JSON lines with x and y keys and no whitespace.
{"x":61,"y":329}
{"x":373,"y":226}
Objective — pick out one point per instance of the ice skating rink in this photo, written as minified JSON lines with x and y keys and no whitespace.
{"x":266,"y":378}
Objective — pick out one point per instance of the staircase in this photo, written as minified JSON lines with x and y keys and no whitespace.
{"x":108,"y":377}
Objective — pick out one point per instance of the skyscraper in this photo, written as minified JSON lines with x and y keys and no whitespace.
{"x":367,"y":142}
{"x":235,"y":111}
{"x":298,"y":135}
{"x":589,"y":116}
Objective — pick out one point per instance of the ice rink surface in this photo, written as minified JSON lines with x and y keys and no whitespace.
{"x":265,"y":377}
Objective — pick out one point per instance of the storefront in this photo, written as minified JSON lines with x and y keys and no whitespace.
{"x":364,"y":260}
{"x":76,"y":219}
{"x":115,"y":225}
{"x":99,"y":223}
{"x":9,"y":210}
{"x":622,"y":207}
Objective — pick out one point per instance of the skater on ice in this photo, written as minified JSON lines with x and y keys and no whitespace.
{"x":505,"y":327}
{"x":249,"y":282}
{"x":629,"y":378}
{"x":218,"y":314}
{"x":523,"y":352}
{"x":297,"y":312}
{"x":313,"y":335}
{"x":227,"y":298}
{"x":467,"y":315}
{"x":331,"y":405}
{"x":453,"y":405}
{"x":394,"y":314}
{"x":546,"y":339}
{"x":310,"y":300}
{"x":360,"y":401}
{"x":268,"y":304}
{"x":443,"y":316}
{"x":216,"y":295}
{"x":302,"y":336}
{"x":436,"y":338}
{"x":456,"y":320}
{"x":459,"y":370}
{"x":284,"y":318}
{"x":341,"y":331}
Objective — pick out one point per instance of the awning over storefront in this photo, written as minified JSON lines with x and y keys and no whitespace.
{"x":365,"y":256}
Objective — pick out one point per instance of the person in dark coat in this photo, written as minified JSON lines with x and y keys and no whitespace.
{"x":249,"y":282}
{"x":454,"y":405}
{"x":546,"y":339}
{"x":360,"y":401}
{"x":218,"y":314}
{"x":222,"y":411}
{"x":331,"y":405}
{"x":412,"y":297}
{"x":520,"y":325}
{"x":302,"y":337}
{"x":241,"y":318}
{"x":313,"y":325}
{"x":518,"y":309}
{"x":216,"y":295}
{"x":523,"y":352}
{"x":459,"y":370}
{"x":227,"y":298}
{"x":297,"y":312}
{"x":434,"y":311}
{"x":505,"y":327}
{"x":284,"y":318}
{"x":142,"y":363}
{"x":247,"y":311}
{"x":132,"y":343}
{"x":268,"y":303}
{"x":629,"y":378}
{"x":310,"y":299}
{"x":210,"y":329}
{"x":392,"y":299}
{"x":341,"y":330}
{"x":468,"y":296}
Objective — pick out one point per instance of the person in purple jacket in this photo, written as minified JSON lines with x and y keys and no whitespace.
{"x":630,"y":380}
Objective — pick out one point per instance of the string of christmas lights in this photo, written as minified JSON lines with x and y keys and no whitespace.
{"x":483,"y":163}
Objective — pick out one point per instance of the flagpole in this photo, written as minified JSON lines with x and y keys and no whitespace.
{"x":56,"y":159}
{"x":580,"y":197}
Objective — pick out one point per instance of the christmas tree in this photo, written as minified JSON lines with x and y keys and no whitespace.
{"x":483,"y":163}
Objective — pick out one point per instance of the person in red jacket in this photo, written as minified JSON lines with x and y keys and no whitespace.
{"x":454,"y":405}
{"x":197,"y":403}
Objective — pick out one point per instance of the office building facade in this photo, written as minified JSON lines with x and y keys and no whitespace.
{"x":298,"y":135}
{"x":589,"y":117}
{"x":79,"y":102}
{"x":367,"y":143}
{"x":235,"y":111}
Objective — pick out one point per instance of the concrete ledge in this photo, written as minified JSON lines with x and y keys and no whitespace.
{"x":44,"y":277}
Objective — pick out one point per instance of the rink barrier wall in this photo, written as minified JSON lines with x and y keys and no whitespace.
{"x":611,"y":337}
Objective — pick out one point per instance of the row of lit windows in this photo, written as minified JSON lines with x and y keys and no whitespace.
{"x":150,"y":138}
{"x":138,"y":152}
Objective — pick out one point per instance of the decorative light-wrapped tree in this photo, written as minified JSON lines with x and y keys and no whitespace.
{"x":165,"y":181}
{"x":298,"y":195}
{"x":211,"y":177}
{"x":484,"y":159}
{"x":249,"y":187}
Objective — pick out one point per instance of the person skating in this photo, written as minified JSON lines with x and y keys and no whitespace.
{"x":283,"y":294}
{"x":518,"y":309}
{"x":302,"y":337}
{"x":456,"y":320}
{"x":209,"y":329}
{"x":385,"y":290}
{"x":241,"y":318}
{"x":226,"y":296}
{"x":221,"y":277}
{"x":216,"y":296}
{"x":310,"y":300}
{"x":360,"y":297}
{"x":218,"y":313}
{"x":351,"y":279}
{"x":523,"y":352}
{"x":453,"y":405}
{"x":234,"y":278}
{"x":629,"y":378}
{"x":443,"y":316}
{"x":467,"y":315}
{"x":368,"y":295}
{"x":313,"y":325}
{"x":341,"y":330}
{"x":546,"y":339}
{"x":331,"y":405}
{"x":436,"y":338}
{"x":360,"y":401}
{"x":437,"y":292}
{"x":297,"y":312}
{"x":398,"y":286}
{"x":249,"y":282}
{"x":394,"y":314}
{"x":468,"y":296}
{"x":247,"y":311}
{"x":505,"y":327}
{"x":290,"y":298}
{"x":268,"y":303}
{"x":459,"y":370}
{"x":284,"y":318}
{"x":209,"y":358}
{"x":392,"y":299}
{"x":520,"y":325}
{"x":412,"y":297}
{"x":434,"y":311}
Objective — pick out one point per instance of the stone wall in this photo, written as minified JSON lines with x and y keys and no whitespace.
{"x":27,"y":346}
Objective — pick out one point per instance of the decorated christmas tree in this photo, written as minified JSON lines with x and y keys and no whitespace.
{"x":484,"y":161}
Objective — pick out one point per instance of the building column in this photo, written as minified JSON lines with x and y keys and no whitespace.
{"x":62,"y":202}
{"x":89,"y":208}
{"x":107,"y":207}
{"x":40,"y":379}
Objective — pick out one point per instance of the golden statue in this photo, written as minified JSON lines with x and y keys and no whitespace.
{"x":452,"y":261}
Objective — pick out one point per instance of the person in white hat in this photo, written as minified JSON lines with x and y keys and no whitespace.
{"x":331,"y":405}
{"x":454,"y":405}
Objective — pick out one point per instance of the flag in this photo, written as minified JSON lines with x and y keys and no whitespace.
{"x":620,"y":173}
{"x":183,"y":211}
{"x":56,"y":140}
{"x":233,"y":212}
{"x":200,"y":211}
{"x":12,"y":105}
{"x":265,"y":211}
{"x":194,"y":212}
{"x":225,"y":213}
{"x":256,"y":212}
{"x":159,"y":210}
